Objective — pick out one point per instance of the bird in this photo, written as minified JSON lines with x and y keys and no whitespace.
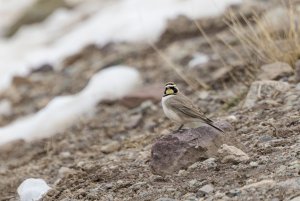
{"x":181,"y":110}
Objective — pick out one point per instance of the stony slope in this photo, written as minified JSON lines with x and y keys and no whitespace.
{"x":106,"y":156}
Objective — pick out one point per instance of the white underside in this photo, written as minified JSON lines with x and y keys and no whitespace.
{"x":168,"y":112}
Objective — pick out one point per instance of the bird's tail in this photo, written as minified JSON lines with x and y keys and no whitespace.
{"x":196,"y":124}
{"x":211,"y":124}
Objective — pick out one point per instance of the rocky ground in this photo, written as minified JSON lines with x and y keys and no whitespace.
{"x":107,"y":156}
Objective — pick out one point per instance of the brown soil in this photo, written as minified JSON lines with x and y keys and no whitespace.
{"x":270,"y":133}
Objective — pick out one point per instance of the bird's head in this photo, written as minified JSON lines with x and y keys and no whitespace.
{"x":170,"y":89}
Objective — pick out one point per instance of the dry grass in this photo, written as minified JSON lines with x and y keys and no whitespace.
{"x":261,"y":40}
{"x":265,"y":39}
{"x":190,"y":80}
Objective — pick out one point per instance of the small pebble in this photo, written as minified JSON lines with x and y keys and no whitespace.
{"x":233,"y":193}
{"x":64,"y":171}
{"x":203,"y":191}
{"x":253,"y":164}
{"x":182,"y":173}
{"x":165,"y":199}
{"x":111,"y":147}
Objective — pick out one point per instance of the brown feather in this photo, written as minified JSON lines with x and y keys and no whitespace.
{"x":183,"y":105}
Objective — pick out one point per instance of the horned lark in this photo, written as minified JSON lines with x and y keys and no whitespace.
{"x":180,"y":109}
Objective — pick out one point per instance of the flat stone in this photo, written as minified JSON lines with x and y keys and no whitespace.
{"x":179,"y":150}
{"x":275,"y":71}
{"x":194,"y":183}
{"x":265,"y":138}
{"x":233,"y":193}
{"x":183,"y":173}
{"x":111,"y":147}
{"x":296,"y":198}
{"x":208,"y":188}
{"x":64,"y":171}
{"x":65,"y":155}
{"x":133,"y":121}
{"x":264,"y":183}
{"x":232,"y":154}
{"x":293,"y":183}
{"x":137,"y":185}
{"x":206,"y":164}
{"x":189,"y":197}
{"x":165,"y":199}
{"x":262,"y":90}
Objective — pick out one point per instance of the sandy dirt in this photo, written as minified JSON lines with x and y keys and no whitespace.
{"x":106,"y":156}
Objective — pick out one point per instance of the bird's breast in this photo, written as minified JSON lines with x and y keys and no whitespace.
{"x":171,"y":114}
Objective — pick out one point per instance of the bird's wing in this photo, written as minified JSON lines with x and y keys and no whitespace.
{"x":184,"y":105}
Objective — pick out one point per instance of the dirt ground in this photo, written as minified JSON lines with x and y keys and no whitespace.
{"x":106,"y":156}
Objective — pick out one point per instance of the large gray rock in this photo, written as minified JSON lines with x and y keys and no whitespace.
{"x":264,"y":90}
{"x":275,"y":71}
{"x":179,"y":150}
{"x":296,"y":198}
{"x":291,"y":184}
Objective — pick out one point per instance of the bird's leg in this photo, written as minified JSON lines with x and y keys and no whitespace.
{"x":180,"y":127}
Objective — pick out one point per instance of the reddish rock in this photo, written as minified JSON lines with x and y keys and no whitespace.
{"x":179,"y":150}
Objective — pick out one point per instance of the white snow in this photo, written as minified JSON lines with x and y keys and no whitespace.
{"x":32,"y":189}
{"x":198,"y":59}
{"x":65,"y":32}
{"x":11,"y":10}
{"x":5,"y":107}
{"x":62,"y":112}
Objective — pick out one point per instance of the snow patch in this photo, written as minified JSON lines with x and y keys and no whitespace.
{"x":32,"y":189}
{"x":11,"y":10}
{"x":198,"y":59}
{"x":5,"y":107}
{"x":66,"y":32}
{"x":111,"y":83}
